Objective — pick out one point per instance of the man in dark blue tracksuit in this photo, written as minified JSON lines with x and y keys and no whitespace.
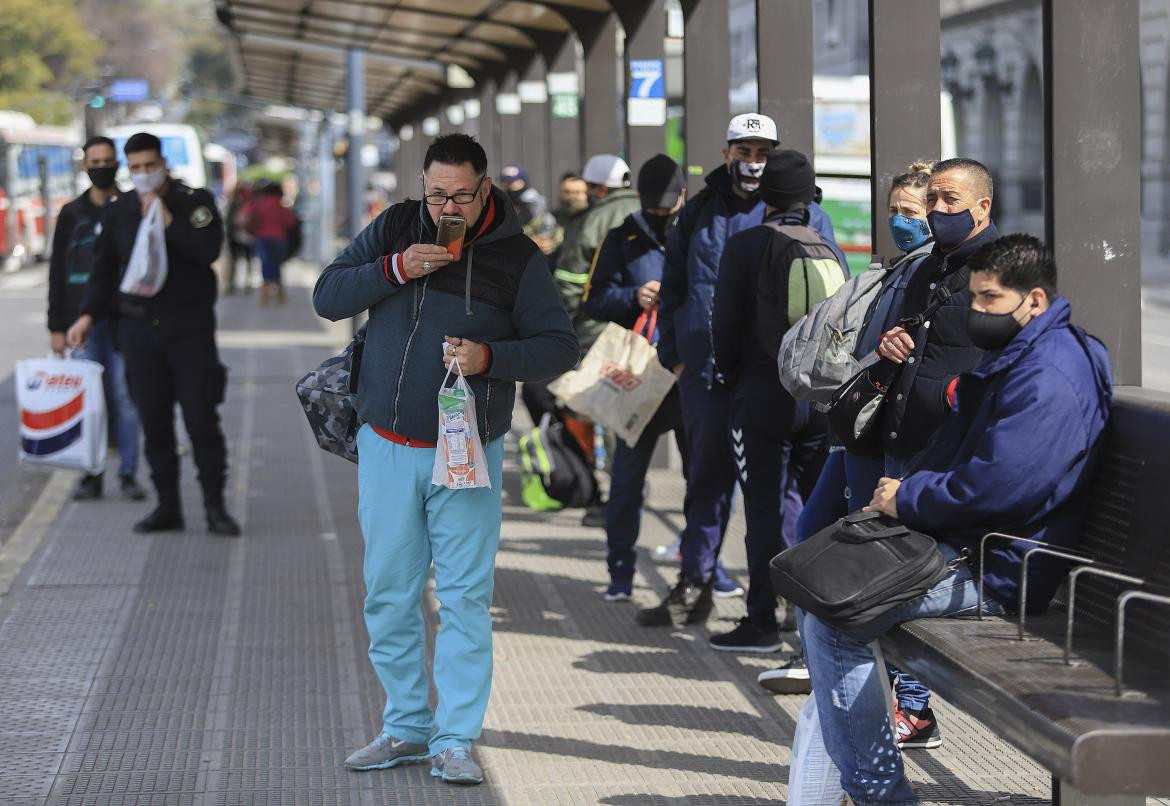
{"x":729,"y":203}
{"x":778,"y":441}
{"x":623,"y":287}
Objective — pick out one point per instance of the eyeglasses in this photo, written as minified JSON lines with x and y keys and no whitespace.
{"x":464,"y":197}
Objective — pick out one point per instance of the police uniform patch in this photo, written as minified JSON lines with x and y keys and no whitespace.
{"x":200,"y":217}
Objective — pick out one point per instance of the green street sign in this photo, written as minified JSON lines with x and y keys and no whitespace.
{"x":564,"y":106}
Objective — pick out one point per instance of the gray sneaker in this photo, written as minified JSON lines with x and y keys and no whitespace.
{"x":454,"y":765}
{"x":386,"y":751}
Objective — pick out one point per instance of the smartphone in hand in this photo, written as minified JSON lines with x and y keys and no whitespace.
{"x":451,"y":230}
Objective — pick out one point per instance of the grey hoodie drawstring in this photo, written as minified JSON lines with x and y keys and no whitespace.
{"x":467,"y":284}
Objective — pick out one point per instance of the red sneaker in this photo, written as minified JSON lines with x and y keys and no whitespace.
{"x":916,"y":730}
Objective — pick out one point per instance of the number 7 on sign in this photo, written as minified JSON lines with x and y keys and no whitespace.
{"x":646,"y":79}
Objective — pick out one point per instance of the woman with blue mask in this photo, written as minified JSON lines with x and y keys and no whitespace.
{"x":847,"y":481}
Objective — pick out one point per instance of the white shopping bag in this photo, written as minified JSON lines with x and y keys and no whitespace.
{"x":146,"y":273}
{"x":460,"y":463}
{"x":62,"y":413}
{"x":813,"y":778}
{"x":620,"y":384}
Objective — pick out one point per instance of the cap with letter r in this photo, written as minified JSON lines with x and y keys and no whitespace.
{"x":752,"y":126}
{"x":607,"y":169}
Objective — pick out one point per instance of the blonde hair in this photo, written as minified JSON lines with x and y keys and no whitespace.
{"x":916,"y":177}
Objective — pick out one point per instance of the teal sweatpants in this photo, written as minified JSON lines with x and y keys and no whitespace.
{"x":408,"y":523}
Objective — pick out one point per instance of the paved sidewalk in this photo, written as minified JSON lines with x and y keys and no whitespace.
{"x":189,"y":669}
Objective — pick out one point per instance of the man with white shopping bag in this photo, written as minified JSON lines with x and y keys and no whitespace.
{"x":165,"y":304}
{"x":487,"y":300}
{"x":74,"y":237}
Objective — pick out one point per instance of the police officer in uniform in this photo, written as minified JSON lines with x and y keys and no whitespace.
{"x":169,"y":339}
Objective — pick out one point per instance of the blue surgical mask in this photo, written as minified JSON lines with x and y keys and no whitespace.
{"x":950,"y":229}
{"x":909,"y":233}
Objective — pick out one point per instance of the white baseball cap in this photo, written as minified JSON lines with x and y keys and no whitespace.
{"x":607,"y":169}
{"x":752,"y":126}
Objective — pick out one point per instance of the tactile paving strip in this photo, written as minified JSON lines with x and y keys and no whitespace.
{"x":189,"y":670}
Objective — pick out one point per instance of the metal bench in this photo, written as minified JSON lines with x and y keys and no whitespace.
{"x":1083,"y":689}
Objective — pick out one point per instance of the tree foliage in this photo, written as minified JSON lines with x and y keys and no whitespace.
{"x":45,"y":53}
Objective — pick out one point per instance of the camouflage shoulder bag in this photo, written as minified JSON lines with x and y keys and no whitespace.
{"x":329,"y":397}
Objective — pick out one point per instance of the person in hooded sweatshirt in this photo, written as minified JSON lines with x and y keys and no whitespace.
{"x":495,"y":308}
{"x":730,"y":202}
{"x":1015,"y":453}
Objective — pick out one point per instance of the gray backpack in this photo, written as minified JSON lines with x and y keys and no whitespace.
{"x":818,"y":353}
{"x":328,"y":395}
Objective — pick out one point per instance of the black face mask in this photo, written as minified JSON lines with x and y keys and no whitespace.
{"x":993,"y":331}
{"x":102,"y":178}
{"x":659,"y":224}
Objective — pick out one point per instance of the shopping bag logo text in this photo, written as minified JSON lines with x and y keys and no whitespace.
{"x":613,"y":372}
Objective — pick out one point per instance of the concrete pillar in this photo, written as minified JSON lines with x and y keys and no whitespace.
{"x":897,"y":96}
{"x":600,"y":101}
{"x":706,"y":74}
{"x":489,"y":123}
{"x":326,"y":224}
{"x":534,"y":126}
{"x":355,"y":93}
{"x":645,"y":25}
{"x":564,"y":131}
{"x":1093,"y":161}
{"x":784,"y":69}
{"x":508,"y":107}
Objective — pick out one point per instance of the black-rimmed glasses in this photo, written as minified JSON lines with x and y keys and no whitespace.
{"x":463,"y":197}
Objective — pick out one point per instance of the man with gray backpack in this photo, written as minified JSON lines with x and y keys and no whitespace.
{"x":769,"y":277}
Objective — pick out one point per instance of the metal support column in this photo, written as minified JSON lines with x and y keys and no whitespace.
{"x":508,"y":107}
{"x":897,"y":96}
{"x":600,"y":99}
{"x":564,"y":130}
{"x":534,"y":131}
{"x":645,"y":25}
{"x":489,"y":125}
{"x":355,"y":91}
{"x":706,"y":76}
{"x":785,"y":73}
{"x":326,"y":221}
{"x":1093,"y":164}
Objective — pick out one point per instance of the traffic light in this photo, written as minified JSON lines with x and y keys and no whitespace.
{"x":98,"y":101}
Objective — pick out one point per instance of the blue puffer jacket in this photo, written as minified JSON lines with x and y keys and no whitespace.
{"x":1016,"y":453}
{"x":693,"y":251}
{"x":629,"y":257}
{"x":500,"y":293}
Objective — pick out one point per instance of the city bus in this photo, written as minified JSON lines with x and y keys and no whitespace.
{"x":38,"y":167}
{"x":181,"y":148}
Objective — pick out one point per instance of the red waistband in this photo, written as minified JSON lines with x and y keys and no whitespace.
{"x":401,"y":440}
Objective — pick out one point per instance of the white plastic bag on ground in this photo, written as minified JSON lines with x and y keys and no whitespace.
{"x":620,"y":383}
{"x":459,"y":458}
{"x":62,"y":413}
{"x":813,"y":778}
{"x":146,"y":273}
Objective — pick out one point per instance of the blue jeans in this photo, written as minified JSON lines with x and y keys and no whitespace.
{"x":846,"y":484}
{"x":851,"y":692}
{"x":272,"y":253}
{"x":623,"y":510}
{"x":408,"y":523}
{"x":100,"y":348}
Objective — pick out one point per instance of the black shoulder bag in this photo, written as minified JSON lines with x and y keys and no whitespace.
{"x":856,"y":407}
{"x":864,"y":565}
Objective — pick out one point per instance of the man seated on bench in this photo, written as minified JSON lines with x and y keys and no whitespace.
{"x":1014,"y":456}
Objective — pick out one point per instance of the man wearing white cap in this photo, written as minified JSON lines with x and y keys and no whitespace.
{"x":729,"y":203}
{"x":611,"y":199}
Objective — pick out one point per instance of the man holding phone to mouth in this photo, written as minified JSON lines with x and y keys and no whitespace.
{"x":453,"y":269}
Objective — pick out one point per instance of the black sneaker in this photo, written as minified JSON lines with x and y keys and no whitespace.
{"x":791,"y":678}
{"x":89,"y":488}
{"x":747,"y":637}
{"x":594,"y":516}
{"x":687,"y":603}
{"x":219,"y":522}
{"x":131,"y":489}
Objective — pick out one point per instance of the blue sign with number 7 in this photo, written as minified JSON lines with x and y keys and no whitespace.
{"x":647,"y":79}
